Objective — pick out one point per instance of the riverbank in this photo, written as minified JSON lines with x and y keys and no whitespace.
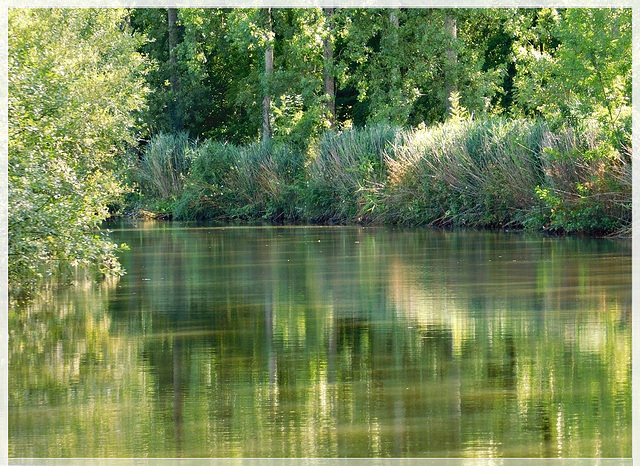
{"x":491,"y":173}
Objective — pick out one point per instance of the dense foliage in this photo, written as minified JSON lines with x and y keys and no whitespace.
{"x":478,"y":117}
{"x":524,"y":115}
{"x":75,"y":80}
{"x":391,"y":65}
{"x":492,"y":172}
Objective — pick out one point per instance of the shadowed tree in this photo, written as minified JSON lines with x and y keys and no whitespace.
{"x":268,"y":75}
{"x":329,"y":79}
{"x":174,"y":105}
{"x":450,"y":80}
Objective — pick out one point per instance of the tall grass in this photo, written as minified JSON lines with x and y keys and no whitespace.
{"x":164,"y":165}
{"x":254,"y":181}
{"x":479,"y":173}
{"x":346,"y":171}
{"x":588,"y":184}
{"x":500,"y":173}
{"x":466,"y":173}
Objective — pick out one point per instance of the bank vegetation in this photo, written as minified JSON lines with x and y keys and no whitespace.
{"x":483,"y":118}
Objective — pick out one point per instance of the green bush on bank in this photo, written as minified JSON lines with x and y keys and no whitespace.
{"x":490,"y":173}
{"x":75,"y":82}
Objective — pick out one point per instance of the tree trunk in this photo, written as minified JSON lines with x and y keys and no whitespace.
{"x":174,"y":113}
{"x":329,"y":80}
{"x":451,"y":30}
{"x":268,"y":72}
{"x":395,"y":81}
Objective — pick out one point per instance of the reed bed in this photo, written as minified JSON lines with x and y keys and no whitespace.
{"x":249,"y":182}
{"x":164,"y":165}
{"x":508,"y":173}
{"x":491,"y":173}
{"x":346,"y":172}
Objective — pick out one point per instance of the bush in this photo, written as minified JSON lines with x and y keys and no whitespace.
{"x":75,"y":84}
{"x":588,"y":185}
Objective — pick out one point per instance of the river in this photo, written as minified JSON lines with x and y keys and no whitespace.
{"x":330,"y":342}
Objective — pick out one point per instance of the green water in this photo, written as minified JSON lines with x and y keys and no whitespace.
{"x":330,"y":342}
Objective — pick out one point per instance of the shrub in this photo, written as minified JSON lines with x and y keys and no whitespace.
{"x":75,"y":85}
{"x":588,"y":184}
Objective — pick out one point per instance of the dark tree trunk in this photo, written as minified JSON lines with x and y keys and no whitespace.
{"x":268,"y":73}
{"x":174,"y":110}
{"x":329,"y":80}
{"x":451,"y":30}
{"x":394,"y":78}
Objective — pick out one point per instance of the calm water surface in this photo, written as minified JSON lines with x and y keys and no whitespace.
{"x":330,"y":341}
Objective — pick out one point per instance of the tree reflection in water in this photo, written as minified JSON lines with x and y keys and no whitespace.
{"x":324,"y":342}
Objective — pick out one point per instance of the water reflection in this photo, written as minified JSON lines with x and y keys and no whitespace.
{"x":323,"y":342}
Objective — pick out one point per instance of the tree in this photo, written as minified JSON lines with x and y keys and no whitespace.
{"x":175,"y":109}
{"x":329,"y":79}
{"x":574,"y":63}
{"x":291,"y":73}
{"x":219,"y":73}
{"x":267,"y":77}
{"x":450,"y":81}
{"x":370,"y":59}
{"x":75,"y":85}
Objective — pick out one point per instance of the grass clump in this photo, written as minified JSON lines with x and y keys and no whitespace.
{"x":509,"y":173}
{"x":347,"y":171}
{"x":258,"y":181}
{"x":162,"y":170}
{"x":474,"y":173}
